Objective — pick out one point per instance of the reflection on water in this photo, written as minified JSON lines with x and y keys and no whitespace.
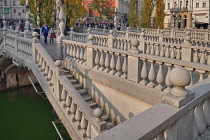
{"x":24,"y":115}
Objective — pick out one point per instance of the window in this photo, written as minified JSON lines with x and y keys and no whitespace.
{"x":204,"y":4}
{"x":14,"y":3}
{"x":168,"y":5}
{"x":180,"y":5}
{"x":14,"y":11}
{"x":197,"y":5}
{"x":175,"y":4}
{"x":23,"y":11}
{"x":5,"y":3}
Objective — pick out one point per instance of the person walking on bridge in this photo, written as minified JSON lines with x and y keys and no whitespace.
{"x":45,"y":30}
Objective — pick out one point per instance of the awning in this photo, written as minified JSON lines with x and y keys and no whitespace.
{"x":201,"y":23}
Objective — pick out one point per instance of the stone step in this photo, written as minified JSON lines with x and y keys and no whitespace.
{"x":82,"y":92}
{"x":87,"y":97}
{"x":105,"y":118}
{"x":66,"y":71}
{"x":109,"y":125}
{"x":69,"y":76}
{"x":73,"y":81}
{"x":78,"y":86}
{"x":92,"y":104}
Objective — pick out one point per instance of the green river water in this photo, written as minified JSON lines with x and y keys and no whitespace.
{"x":24,"y":115}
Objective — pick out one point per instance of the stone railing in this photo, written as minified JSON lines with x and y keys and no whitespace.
{"x":163,"y":121}
{"x":133,"y":65}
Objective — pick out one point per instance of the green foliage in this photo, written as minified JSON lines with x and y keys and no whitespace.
{"x":146,"y":14}
{"x":160,"y":14}
{"x":73,"y":10}
{"x":103,"y":7}
{"x":132,"y":13}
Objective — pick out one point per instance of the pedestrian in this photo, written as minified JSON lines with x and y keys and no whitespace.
{"x":45,"y":31}
{"x":38,"y":31}
{"x":52,"y":35}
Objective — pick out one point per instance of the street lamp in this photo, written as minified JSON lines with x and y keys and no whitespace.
{"x":19,"y":17}
{"x":174,"y":17}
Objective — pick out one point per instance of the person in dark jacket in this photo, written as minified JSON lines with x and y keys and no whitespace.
{"x":45,"y":30}
{"x":38,"y":31}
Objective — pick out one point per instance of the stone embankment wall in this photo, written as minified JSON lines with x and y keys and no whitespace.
{"x":13,"y":77}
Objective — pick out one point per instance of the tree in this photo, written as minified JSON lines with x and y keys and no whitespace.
{"x":132,"y":13}
{"x":103,"y":7}
{"x":74,"y":10}
{"x":147,"y":12}
{"x":160,"y":14}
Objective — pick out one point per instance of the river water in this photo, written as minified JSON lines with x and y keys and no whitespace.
{"x":24,"y":115}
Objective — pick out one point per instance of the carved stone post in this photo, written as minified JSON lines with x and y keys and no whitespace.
{"x":127,"y":32}
{"x":142,"y":42}
{"x":62,"y":27}
{"x":57,"y":85}
{"x":98,"y":113}
{"x":71,"y":34}
{"x":90,"y":52}
{"x":186,"y":50}
{"x":179,"y":96}
{"x":134,"y":63}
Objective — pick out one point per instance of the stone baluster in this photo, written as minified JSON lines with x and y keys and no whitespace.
{"x":88,"y":131}
{"x":73,"y":110}
{"x":144,"y":72}
{"x":37,"y":58}
{"x":152,"y":52}
{"x":151,"y":75}
{"x":97,"y":59}
{"x":68,"y":49}
{"x":172,"y":55}
{"x":78,"y":117}
{"x":107,"y":64}
{"x":127,"y":33}
{"x":191,"y":74}
{"x":157,"y":50}
{"x":71,"y":51}
{"x":148,"y":48}
{"x":202,"y":59}
{"x":162,"y":50}
{"x":124,"y":67}
{"x":81,"y":57}
{"x":200,"y":120}
{"x":59,"y":72}
{"x":43,"y":66}
{"x":160,"y":77}
{"x":118,"y":43}
{"x":178,"y":53}
{"x":40,"y":62}
{"x":74,"y":52}
{"x":112,"y":65}
{"x":208,"y":61}
{"x":101,"y":60}
{"x":167,"y":54}
{"x":49,"y":76}
{"x":78,"y":54}
{"x":206,"y":110}
{"x":85,"y":56}
{"x":83,"y":125}
{"x":63,"y":97}
{"x":68,"y":104}
{"x":178,"y":96}
{"x":167,"y":81}
{"x":46,"y":70}
{"x":201,"y":72}
{"x":195,"y":58}
{"x":118,"y":65}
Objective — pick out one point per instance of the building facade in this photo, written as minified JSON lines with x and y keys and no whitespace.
{"x":186,"y":14}
{"x":13,"y":8}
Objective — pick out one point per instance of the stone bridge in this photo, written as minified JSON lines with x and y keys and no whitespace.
{"x":122,"y":85}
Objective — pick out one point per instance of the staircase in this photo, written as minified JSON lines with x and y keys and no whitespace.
{"x":92,"y":104}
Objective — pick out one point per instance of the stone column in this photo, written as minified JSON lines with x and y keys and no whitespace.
{"x":62,"y":27}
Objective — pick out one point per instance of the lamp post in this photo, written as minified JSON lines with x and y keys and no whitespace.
{"x":27,"y":33}
{"x":19,"y":17}
{"x":4,"y":21}
{"x":174,"y":17}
